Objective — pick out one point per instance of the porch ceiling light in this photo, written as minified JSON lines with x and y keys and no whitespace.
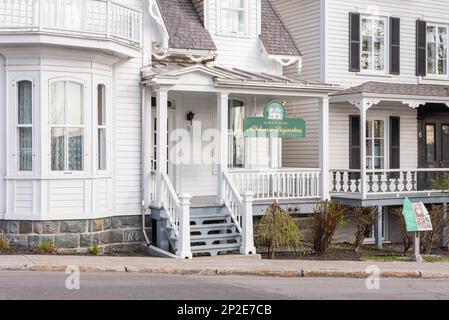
{"x":190,"y":117}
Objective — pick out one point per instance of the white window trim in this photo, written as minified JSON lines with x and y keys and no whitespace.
{"x":436,"y":76}
{"x":106,"y":126}
{"x":384,"y":72}
{"x":220,"y":30}
{"x":85,"y":125}
{"x":16,"y":154}
{"x":386,"y":140}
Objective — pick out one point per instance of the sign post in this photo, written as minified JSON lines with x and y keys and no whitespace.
{"x":417,"y":219}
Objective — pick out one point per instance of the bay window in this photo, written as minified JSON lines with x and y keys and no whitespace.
{"x":25,"y":125}
{"x":67,"y":126}
{"x":101,"y":127}
{"x":233,"y":16}
{"x":437,"y":49}
{"x":373,"y":39}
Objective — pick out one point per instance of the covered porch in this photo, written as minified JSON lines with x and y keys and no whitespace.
{"x":199,"y":142}
{"x":395,"y":148}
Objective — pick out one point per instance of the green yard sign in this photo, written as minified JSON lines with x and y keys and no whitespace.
{"x":409,"y":215}
{"x":275,"y":123}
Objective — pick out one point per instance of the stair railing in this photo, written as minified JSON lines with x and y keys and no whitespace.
{"x":177,"y":210}
{"x":241,"y":211}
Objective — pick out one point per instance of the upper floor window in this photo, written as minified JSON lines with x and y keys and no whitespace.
{"x":25,"y":125}
{"x":373,"y":38}
{"x":67,"y":126}
{"x":233,"y":16}
{"x":102,"y":127}
{"x":437,"y":49}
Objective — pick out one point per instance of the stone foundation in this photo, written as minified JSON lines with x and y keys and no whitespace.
{"x":112,"y":234}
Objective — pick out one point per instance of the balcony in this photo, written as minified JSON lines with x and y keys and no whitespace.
{"x":94,"y":20}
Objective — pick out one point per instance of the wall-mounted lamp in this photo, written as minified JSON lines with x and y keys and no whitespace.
{"x":190,"y":117}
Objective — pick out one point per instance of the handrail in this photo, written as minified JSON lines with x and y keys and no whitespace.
{"x":171,"y":203}
{"x":233,"y":202}
{"x":95,"y":18}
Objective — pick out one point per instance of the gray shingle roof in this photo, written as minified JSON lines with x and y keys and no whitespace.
{"x":409,"y":89}
{"x":184,"y":26}
{"x":275,"y":37}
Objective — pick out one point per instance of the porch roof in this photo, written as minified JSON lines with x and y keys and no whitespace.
{"x":161,"y":73}
{"x":372,"y":93}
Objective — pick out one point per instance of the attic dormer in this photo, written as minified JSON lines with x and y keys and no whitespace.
{"x":247,"y":34}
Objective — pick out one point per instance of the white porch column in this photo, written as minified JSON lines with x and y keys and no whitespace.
{"x":247,"y":247}
{"x":147,"y":138}
{"x":184,"y":250}
{"x":324,"y":147}
{"x":363,"y":190}
{"x":222,"y":145}
{"x":162,"y":141}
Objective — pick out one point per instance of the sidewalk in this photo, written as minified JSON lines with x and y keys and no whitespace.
{"x":225,"y":265}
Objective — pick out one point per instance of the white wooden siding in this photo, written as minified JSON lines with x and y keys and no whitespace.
{"x":339,"y":129}
{"x":302,"y":19}
{"x":408,"y":10}
{"x":3,"y":127}
{"x":303,"y":152}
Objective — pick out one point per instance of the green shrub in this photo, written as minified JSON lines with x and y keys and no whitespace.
{"x":95,"y":249}
{"x":365,"y":219}
{"x":4,"y":243}
{"x":429,"y":239}
{"x":48,"y":247}
{"x":441,"y":183}
{"x":277,"y":229}
{"x":328,"y":216}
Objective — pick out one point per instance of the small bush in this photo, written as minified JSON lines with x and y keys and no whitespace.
{"x":429,"y":239}
{"x":48,"y":247}
{"x":441,"y":183}
{"x":278,"y":229}
{"x":328,"y":216}
{"x":95,"y":249}
{"x":4,"y":243}
{"x":365,"y":217}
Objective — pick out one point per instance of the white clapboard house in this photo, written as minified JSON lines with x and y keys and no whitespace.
{"x":128,"y":116}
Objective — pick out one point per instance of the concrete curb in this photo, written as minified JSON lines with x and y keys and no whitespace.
{"x":283,"y":273}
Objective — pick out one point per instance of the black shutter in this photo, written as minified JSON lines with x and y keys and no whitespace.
{"x":354,"y":142}
{"x":354,"y":42}
{"x":395,"y":143}
{"x":395,"y":45}
{"x":421,"y":51}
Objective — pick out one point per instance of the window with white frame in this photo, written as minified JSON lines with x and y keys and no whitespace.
{"x":67,"y":126}
{"x":233,"y":17}
{"x":236,"y":136}
{"x":373,"y":49}
{"x":25,"y":126}
{"x":375,"y":144}
{"x":437,"y":49}
{"x":102,"y":127}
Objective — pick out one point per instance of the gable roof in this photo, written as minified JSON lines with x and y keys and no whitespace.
{"x":402,"y":89}
{"x":275,"y":37}
{"x":184,"y":26}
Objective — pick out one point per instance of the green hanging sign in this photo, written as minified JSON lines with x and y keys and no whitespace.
{"x":275,"y":123}
{"x":409,"y":215}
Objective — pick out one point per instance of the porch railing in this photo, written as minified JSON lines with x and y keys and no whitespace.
{"x":278,"y":184}
{"x":95,"y":18}
{"x":395,"y":181}
{"x":233,"y":202}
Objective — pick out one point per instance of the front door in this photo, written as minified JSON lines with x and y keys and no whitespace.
{"x":434,"y":135}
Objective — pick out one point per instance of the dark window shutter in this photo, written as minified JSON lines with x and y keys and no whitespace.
{"x":421,"y":50}
{"x":354,"y":42}
{"x":395,"y":143}
{"x":354,"y":142}
{"x":395,"y":45}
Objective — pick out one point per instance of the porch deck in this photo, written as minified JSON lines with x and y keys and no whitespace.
{"x":389,"y":199}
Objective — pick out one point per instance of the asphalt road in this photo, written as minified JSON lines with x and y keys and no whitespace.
{"x":37,"y":286}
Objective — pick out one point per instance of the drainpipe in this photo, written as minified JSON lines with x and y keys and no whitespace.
{"x":144,"y":184}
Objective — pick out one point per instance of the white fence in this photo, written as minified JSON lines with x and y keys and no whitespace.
{"x":100,"y":18}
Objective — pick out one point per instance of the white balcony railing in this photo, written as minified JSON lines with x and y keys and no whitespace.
{"x":384,"y":182}
{"x":278,"y":184}
{"x":94,"y":18}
